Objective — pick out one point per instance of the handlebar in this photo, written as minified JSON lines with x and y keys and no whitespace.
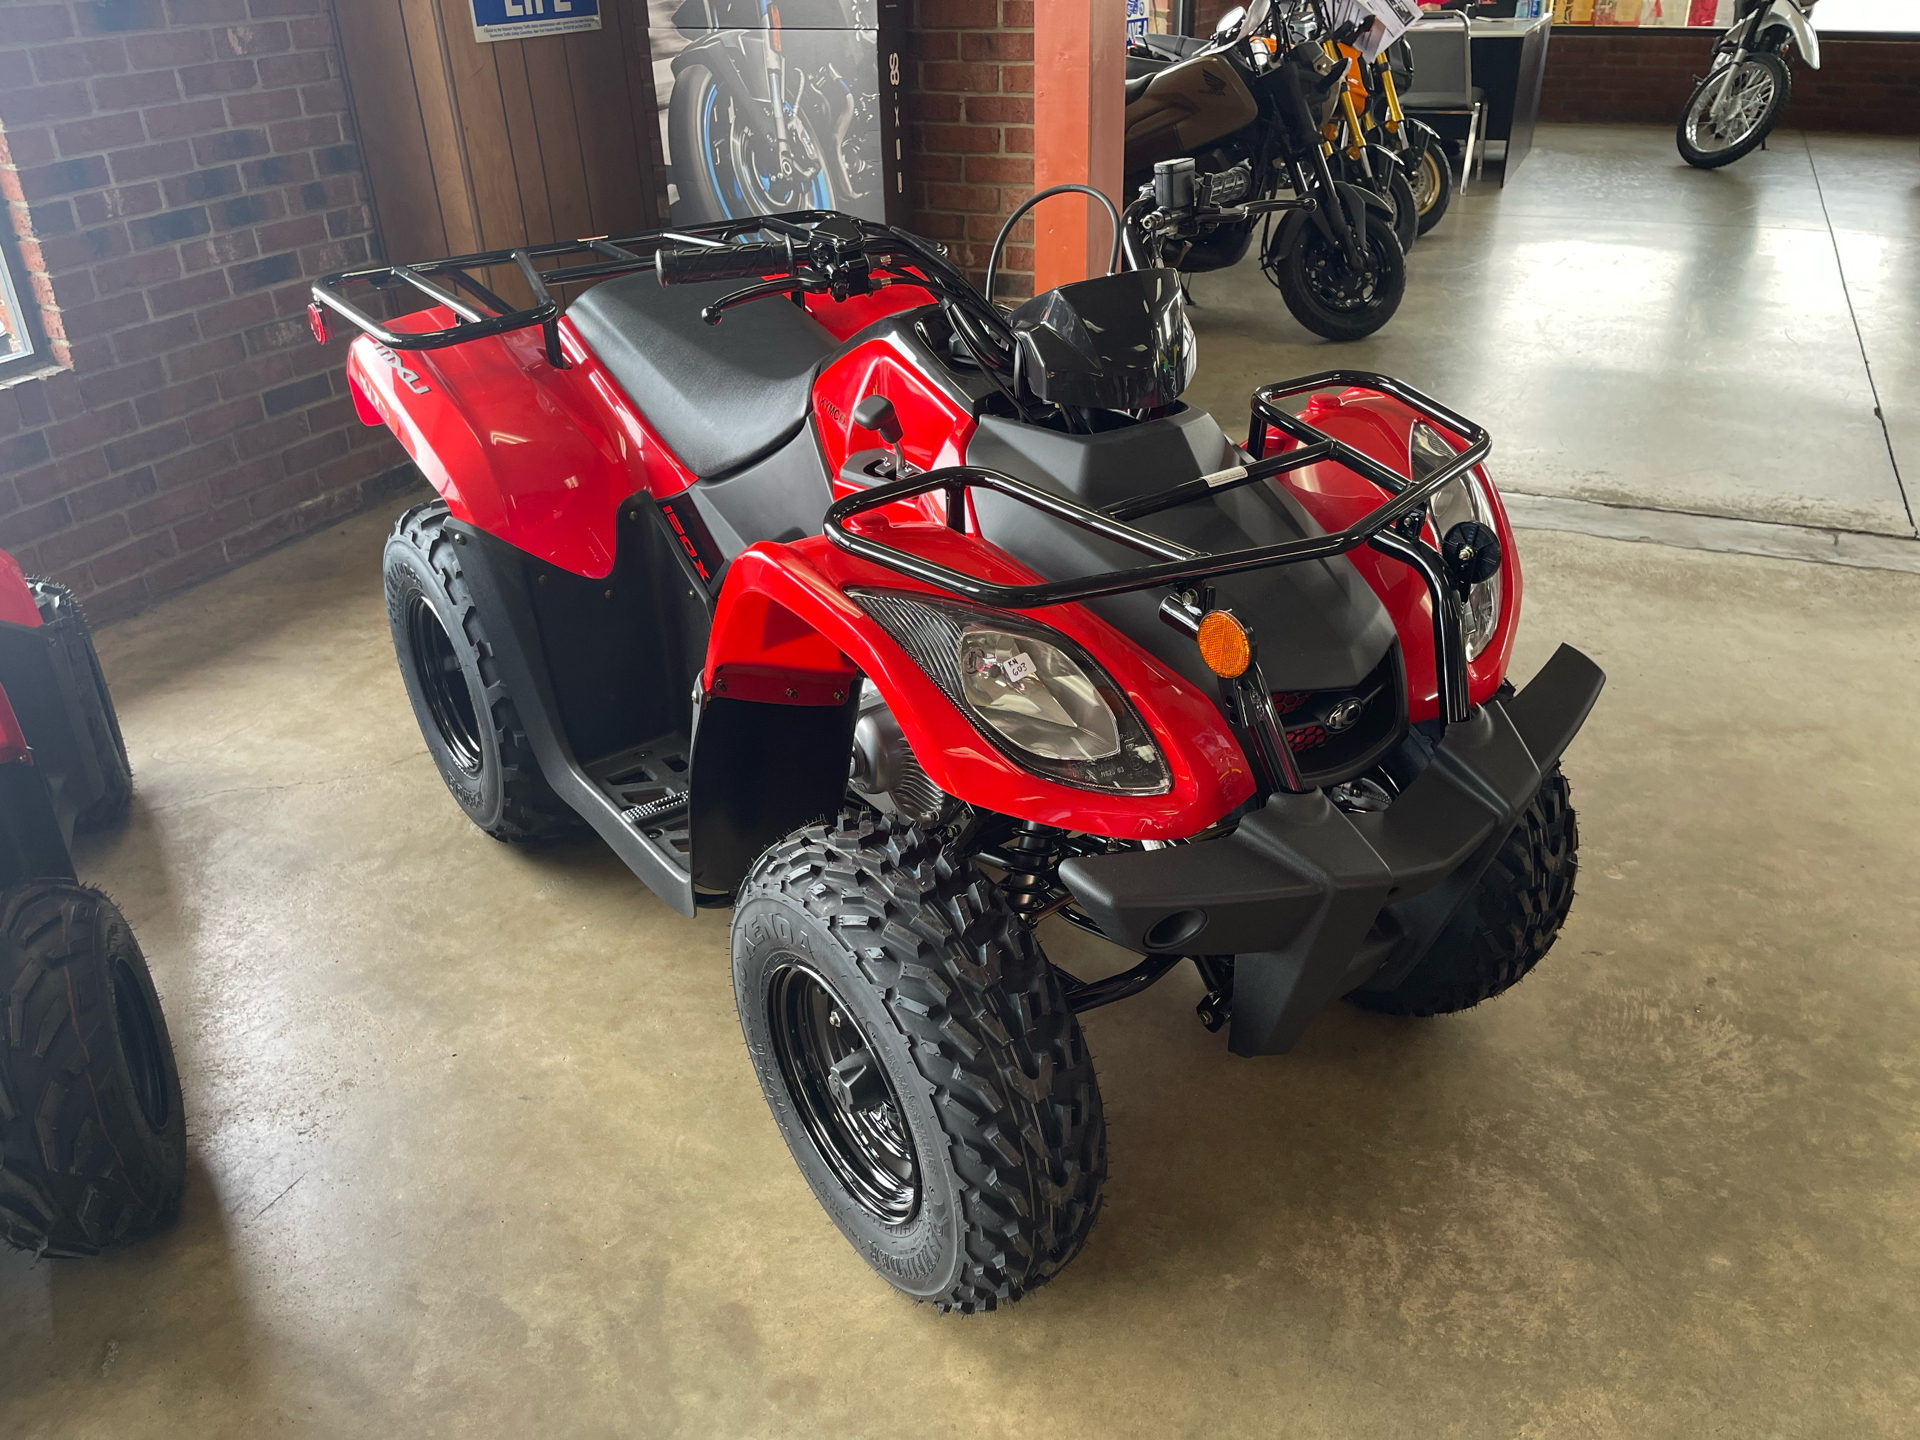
{"x":746,"y":261}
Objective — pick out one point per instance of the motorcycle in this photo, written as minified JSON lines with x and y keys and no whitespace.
{"x":1374,"y":89}
{"x":1356,"y":148}
{"x":1249,"y":109}
{"x":1736,"y":106}
{"x":751,"y":130}
{"x":822,"y":588}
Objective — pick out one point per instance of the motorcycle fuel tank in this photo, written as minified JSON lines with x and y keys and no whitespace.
{"x":1184,"y":107}
{"x":1319,"y":625}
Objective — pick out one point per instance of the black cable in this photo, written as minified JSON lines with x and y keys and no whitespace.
{"x":1000,"y":240}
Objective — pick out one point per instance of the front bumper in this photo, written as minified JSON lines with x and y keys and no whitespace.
{"x":1312,"y":901}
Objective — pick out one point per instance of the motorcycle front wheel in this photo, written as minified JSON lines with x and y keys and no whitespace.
{"x":1432,"y":184}
{"x":726,"y":162}
{"x":1324,"y":293}
{"x":1756,"y":93}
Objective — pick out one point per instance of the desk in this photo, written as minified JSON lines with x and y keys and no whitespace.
{"x":1509,"y":61}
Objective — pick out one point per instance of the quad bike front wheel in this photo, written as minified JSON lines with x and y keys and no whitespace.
{"x":1324,"y":292}
{"x":467,"y":718}
{"x":93,"y":1136}
{"x":1508,"y":922}
{"x":65,"y":625}
{"x":1755,"y":93}
{"x":920,"y":1060}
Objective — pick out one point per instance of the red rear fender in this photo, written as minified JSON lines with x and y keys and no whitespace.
{"x":16,"y":601}
{"x":785,"y":632}
{"x":539,"y":457}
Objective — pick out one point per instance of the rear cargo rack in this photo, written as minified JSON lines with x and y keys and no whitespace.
{"x":493,"y":315}
{"x":1178,"y":567}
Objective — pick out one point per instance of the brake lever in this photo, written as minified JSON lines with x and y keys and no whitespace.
{"x":712,"y":314}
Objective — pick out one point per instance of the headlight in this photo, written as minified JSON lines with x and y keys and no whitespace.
{"x":1457,"y":500}
{"x":1042,"y":700}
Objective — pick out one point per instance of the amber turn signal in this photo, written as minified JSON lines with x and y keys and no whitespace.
{"x":1224,"y":644}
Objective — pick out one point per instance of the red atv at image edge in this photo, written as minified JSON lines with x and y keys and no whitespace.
{"x":823,"y":588}
{"x":93,"y":1137}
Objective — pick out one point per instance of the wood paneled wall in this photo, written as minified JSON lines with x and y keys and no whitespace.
{"x":481,"y":147}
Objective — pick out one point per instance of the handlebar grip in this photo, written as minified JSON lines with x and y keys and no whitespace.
{"x":731,"y":262}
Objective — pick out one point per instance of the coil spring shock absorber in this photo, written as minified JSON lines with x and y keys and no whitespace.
{"x":1031,"y":860}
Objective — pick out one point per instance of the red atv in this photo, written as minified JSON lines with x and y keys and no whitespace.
{"x":93,"y":1138}
{"x":900,"y":623}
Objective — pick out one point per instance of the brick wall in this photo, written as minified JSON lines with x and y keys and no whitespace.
{"x":176,"y":171}
{"x":971,"y":137}
{"x":1607,"y":75}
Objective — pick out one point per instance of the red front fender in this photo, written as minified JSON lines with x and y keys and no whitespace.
{"x":785,"y":632}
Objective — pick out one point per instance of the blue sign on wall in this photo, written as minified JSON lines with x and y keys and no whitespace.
{"x":520,"y":19}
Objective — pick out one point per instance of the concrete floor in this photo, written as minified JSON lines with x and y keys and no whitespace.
{"x":1640,"y":333}
{"x":476,"y":1149}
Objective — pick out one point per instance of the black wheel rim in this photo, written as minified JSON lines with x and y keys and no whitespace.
{"x":1331,"y":279}
{"x":444,"y":684}
{"x":140,"y":1043}
{"x":868,"y":1151}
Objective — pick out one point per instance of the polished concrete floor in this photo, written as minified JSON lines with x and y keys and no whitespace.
{"x":476,"y":1149}
{"x":1635,"y":332}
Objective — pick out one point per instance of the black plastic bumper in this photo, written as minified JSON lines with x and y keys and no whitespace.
{"x":1312,"y":901}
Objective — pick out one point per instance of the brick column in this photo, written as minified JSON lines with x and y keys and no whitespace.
{"x":970,"y":147}
{"x":1080,"y":123}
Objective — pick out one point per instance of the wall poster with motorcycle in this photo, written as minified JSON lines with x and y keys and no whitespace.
{"x":766,"y":108}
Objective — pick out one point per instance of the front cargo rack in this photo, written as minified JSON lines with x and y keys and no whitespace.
{"x":1182,"y":569}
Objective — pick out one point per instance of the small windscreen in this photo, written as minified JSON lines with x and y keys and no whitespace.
{"x":1119,"y":342}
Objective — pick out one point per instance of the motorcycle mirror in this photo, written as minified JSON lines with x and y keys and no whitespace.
{"x":1230,"y":23}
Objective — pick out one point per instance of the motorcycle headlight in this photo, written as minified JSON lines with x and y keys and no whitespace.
{"x":1039,"y":698}
{"x":1462,"y":499}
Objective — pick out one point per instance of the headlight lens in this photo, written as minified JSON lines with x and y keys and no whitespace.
{"x":1035,"y":696}
{"x":1457,"y":500}
{"x":1042,"y":700}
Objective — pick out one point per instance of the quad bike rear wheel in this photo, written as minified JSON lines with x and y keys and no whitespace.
{"x":66,"y":626}
{"x":920,"y":1060}
{"x":93,"y":1136}
{"x":467,"y":718}
{"x":1506,"y":925}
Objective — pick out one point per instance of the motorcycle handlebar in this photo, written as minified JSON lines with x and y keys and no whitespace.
{"x":726,"y":262}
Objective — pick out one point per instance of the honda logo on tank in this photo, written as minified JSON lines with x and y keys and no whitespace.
{"x":523,"y":19}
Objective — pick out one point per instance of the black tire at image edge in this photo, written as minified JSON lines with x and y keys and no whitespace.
{"x":93,"y":1138}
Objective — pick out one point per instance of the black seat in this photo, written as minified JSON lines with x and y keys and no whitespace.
{"x":721,"y":396}
{"x":1137,"y":85}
